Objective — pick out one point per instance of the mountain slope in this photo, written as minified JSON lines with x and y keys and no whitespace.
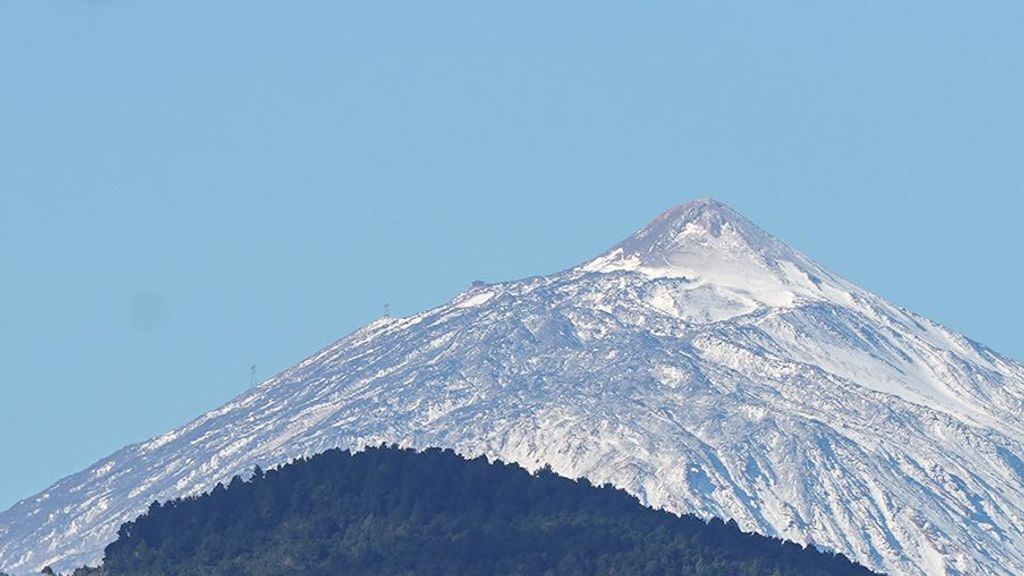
{"x":701,"y":365}
{"x":385,"y":511}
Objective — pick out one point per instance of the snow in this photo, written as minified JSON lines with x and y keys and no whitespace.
{"x":701,"y":364}
{"x":474,"y":299}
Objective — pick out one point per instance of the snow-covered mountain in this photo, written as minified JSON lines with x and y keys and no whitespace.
{"x":701,"y":364}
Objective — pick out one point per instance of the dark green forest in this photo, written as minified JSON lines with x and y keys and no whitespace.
{"x":389,"y":511}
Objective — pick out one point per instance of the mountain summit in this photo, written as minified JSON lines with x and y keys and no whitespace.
{"x":715,"y":248}
{"x":706,"y":223}
{"x":701,"y":365}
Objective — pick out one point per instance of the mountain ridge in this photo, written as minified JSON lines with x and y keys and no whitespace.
{"x":700,"y":375}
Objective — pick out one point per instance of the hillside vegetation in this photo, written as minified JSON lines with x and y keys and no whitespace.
{"x":389,"y":511}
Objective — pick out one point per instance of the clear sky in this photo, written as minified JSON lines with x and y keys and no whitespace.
{"x":188,"y":188}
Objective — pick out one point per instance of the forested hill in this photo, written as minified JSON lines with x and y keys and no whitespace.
{"x":388,"y":511}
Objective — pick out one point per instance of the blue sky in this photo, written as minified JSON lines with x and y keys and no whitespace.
{"x":189,"y":188}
